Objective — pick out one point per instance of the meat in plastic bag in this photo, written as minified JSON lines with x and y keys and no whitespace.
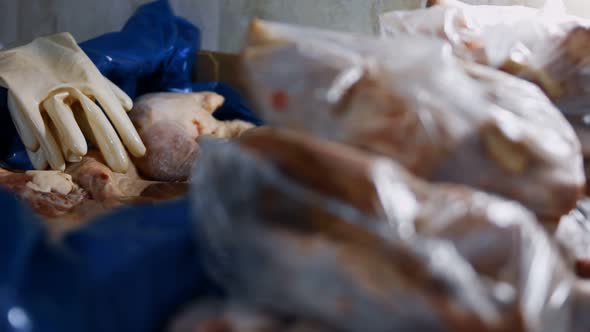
{"x":574,"y":234}
{"x":329,"y":233}
{"x":409,"y":99}
{"x":544,"y":46}
{"x":213,"y":315}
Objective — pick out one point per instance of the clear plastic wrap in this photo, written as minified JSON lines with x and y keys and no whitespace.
{"x":573,"y":234}
{"x":326,"y":232}
{"x":408,"y":98}
{"x":215,"y":315}
{"x":544,"y":46}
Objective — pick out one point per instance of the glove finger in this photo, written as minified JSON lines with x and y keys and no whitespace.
{"x":121,"y":95}
{"x":38,"y":159}
{"x":39,"y":128}
{"x":105,"y":136}
{"x":51,"y":149}
{"x":23,"y":126}
{"x":82,"y":121}
{"x":123,"y":124}
{"x":69,"y":133}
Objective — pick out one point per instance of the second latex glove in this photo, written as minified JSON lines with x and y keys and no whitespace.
{"x":53,"y":89}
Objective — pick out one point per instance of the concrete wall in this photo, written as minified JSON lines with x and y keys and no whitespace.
{"x":22,"y":20}
{"x":223,"y":21}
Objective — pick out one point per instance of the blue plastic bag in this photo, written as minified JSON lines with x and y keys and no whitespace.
{"x":155,"y":51}
{"x":129,"y":270}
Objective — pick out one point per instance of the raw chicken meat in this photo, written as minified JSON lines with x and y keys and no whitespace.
{"x":170,"y":123}
{"x":409,"y":99}
{"x":46,"y":195}
{"x":325,"y":232}
{"x":102,"y":183}
{"x":107,"y":189}
{"x":87,"y":189}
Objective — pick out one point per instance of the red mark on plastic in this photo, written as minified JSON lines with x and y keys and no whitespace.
{"x":280,"y":99}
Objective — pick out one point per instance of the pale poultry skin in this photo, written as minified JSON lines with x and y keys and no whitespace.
{"x":170,"y":124}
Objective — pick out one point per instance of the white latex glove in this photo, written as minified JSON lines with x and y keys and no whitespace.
{"x":53,"y":88}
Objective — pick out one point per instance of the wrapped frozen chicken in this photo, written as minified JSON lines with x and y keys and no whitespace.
{"x":545,"y":46}
{"x":409,"y":99}
{"x":330,"y":233}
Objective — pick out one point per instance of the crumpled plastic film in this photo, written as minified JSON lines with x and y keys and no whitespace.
{"x":368,"y":247}
{"x":408,"y":98}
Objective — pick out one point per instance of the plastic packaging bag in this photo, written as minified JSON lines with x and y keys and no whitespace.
{"x":326,"y":232}
{"x":409,"y":99}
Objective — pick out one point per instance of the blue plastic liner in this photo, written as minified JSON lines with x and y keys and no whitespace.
{"x":155,"y":51}
{"x":129,"y":270}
